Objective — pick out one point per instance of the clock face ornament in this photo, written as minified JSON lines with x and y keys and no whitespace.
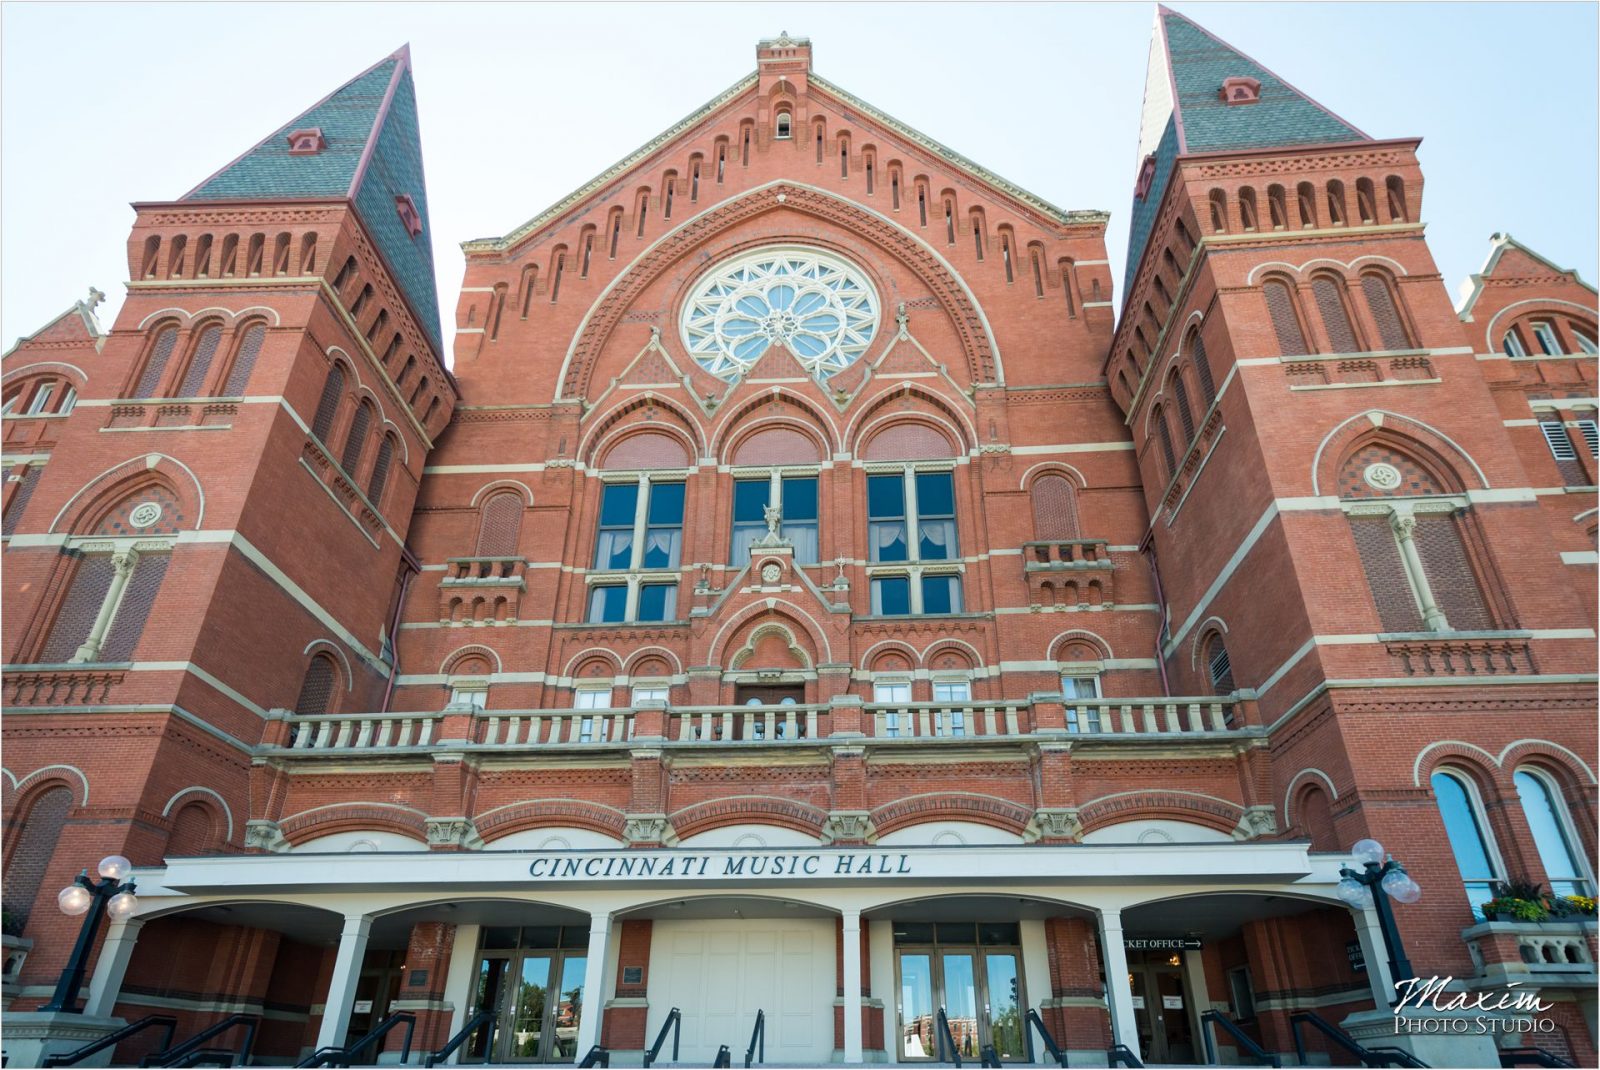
{"x":818,"y":305}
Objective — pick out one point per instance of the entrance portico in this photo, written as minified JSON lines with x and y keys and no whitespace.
{"x":617,"y":937}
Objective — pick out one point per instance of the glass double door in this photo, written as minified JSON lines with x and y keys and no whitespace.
{"x":539,"y":999}
{"x":980,"y":990}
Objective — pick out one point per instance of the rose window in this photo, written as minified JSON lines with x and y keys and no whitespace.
{"x":820,"y":306}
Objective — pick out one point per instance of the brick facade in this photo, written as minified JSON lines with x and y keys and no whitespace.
{"x":1248,"y":563}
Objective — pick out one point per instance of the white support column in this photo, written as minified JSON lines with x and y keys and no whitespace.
{"x":1119,"y":994}
{"x":1370,"y":933}
{"x":594,"y":974}
{"x":851,"y":957}
{"x":1405,"y":526}
{"x":341,"y":998}
{"x":122,"y":564}
{"x":458,"y":984}
{"x":111,"y":967}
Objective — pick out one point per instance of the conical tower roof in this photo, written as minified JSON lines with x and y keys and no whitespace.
{"x":371,"y":155}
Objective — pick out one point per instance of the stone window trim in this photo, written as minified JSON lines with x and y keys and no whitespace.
{"x":1402,"y":515}
{"x":1561,"y":810}
{"x":468,"y":693}
{"x":633,"y":580}
{"x":125,"y":554}
{"x":914,"y":572}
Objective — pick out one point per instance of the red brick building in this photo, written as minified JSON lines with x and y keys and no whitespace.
{"x":804,"y":593}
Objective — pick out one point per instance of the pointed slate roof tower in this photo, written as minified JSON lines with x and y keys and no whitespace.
{"x":365,"y":146}
{"x":1185,"y":112}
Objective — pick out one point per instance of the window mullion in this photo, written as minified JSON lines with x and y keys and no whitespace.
{"x":913,"y":541}
{"x":641,"y":514}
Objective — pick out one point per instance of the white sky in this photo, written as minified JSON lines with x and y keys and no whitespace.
{"x":104,"y":104}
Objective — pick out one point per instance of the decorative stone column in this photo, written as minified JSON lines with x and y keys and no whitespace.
{"x":1405,"y":526}
{"x":1119,"y":993}
{"x":342,"y":985}
{"x":122,"y":562}
{"x":112,"y":966}
{"x":594,"y":974}
{"x":851,"y":955}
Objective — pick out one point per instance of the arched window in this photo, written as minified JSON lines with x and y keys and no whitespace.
{"x":1247,"y":208}
{"x":1180,"y":400}
{"x":1549,"y":821}
{"x":244,"y":361}
{"x":1396,"y":188}
{"x":1285,"y":320}
{"x":1219,"y":212}
{"x":1159,"y":417}
{"x":328,"y":404}
{"x":1366,"y":202}
{"x":1277,"y":207}
{"x":1459,"y":812}
{"x":363,"y":299}
{"x":1335,"y":316}
{"x":380,"y":471}
{"x":355,"y":440}
{"x":1055,"y":509}
{"x":152,"y":250}
{"x":175,"y":256}
{"x":318,"y":687}
{"x":155,"y":366}
{"x":1385,"y":311}
{"x":1336,"y":203}
{"x":784,"y":129}
{"x":1314,"y":815}
{"x":1306,"y":198}
{"x":499,"y":524}
{"x":1202,"y":367}
{"x":1219,"y":668}
{"x":347,"y":272}
{"x":36,"y":835}
{"x":205,"y":350}
{"x":192,"y":832}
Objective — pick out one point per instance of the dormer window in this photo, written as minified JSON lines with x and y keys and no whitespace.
{"x":784,"y":130}
{"x":307,"y":141}
{"x":1240,"y":90}
{"x":1146,"y":179}
{"x":407,"y":209}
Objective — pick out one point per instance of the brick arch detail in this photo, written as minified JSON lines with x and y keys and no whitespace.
{"x":354,"y":817}
{"x":748,"y":809}
{"x":549,"y":813}
{"x":872,"y":421}
{"x":960,"y":647}
{"x":1077,"y":635}
{"x":1452,"y":466}
{"x":1569,"y":765}
{"x":474,"y":650}
{"x":971,"y":326}
{"x":98,"y":496}
{"x":1218,"y":814}
{"x":746,"y":419}
{"x":988,"y":810}
{"x":614,"y":424}
{"x":788,"y":613}
{"x":68,"y":776}
{"x":1467,"y":756}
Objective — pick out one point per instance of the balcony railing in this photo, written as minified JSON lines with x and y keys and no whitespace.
{"x":874,"y":723}
{"x":1066,"y":553}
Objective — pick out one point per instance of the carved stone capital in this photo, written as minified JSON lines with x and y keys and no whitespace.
{"x":265,"y":836}
{"x":848,"y":826}
{"x":1257,"y":821}
{"x":1054,"y":823}
{"x":453,"y":832}
{"x":649,"y":828}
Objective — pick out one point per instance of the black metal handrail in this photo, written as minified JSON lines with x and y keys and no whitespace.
{"x":758,"y":1041}
{"x":1537,"y":1056}
{"x":1240,"y":1037}
{"x":1122,"y":1055}
{"x":724,"y":1058}
{"x":674,"y":1018}
{"x":175,"y":1056}
{"x":1033,"y":1023}
{"x":1370,"y":1057}
{"x":77,"y":1055}
{"x":989,"y":1057}
{"x":207,"y":1057}
{"x":945,"y":1040}
{"x":405,"y":1018}
{"x":597,"y":1056}
{"x":489,"y":1017}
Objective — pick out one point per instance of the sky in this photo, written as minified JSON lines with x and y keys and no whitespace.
{"x":105,"y":104}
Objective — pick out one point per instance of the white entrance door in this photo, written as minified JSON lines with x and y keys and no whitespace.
{"x":719,"y":973}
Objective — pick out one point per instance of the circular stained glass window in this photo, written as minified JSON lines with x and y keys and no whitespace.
{"x":818,"y":305}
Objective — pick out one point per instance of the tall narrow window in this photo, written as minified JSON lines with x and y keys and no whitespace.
{"x":328,"y":404}
{"x":1005,"y":256}
{"x":230,"y":256}
{"x":1467,"y":841}
{"x":820,"y":152}
{"x":244,"y":361}
{"x":949,"y":223}
{"x":644,"y":210}
{"x":1219,"y":667}
{"x":1247,"y":208}
{"x":911,"y":518}
{"x":844,"y":158}
{"x":1306,"y":198}
{"x":1202,"y":367}
{"x":1055,"y":509}
{"x":1512,"y":344}
{"x":1562,"y":450}
{"x":555,"y":276}
{"x":19,"y":500}
{"x":494,"y":313}
{"x":1067,"y":273}
{"x":1219,"y":212}
{"x":783,"y":131}
{"x":1077,"y":689}
{"x":317,"y":687}
{"x":1038,"y":272}
{"x":380,"y":471}
{"x":355,"y":440}
{"x":1587,"y":429}
{"x":694,"y":181}
{"x":205,"y":351}
{"x":894,"y":190}
{"x":1164,"y":433}
{"x":1336,"y":203}
{"x":867,"y":167}
{"x":1335,"y":317}
{"x":977,"y":238}
{"x":1366,"y":202}
{"x":744,"y":146}
{"x":1395,"y":186}
{"x":1547,"y":820}
{"x":41,"y":399}
{"x":1180,"y":400}
{"x":37,"y":837}
{"x":175,"y":255}
{"x":641,"y":531}
{"x":346,"y":273}
{"x":155,"y":366}
{"x":666,"y":203}
{"x":1544,"y":336}
{"x":253,"y":257}
{"x":530,"y":276}
{"x":922,"y":206}
{"x":588,"y":248}
{"x":1385,"y":312}
{"x":1277,"y":207}
{"x":722,"y":162}
{"x":152,"y":250}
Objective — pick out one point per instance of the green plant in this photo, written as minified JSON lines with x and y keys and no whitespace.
{"x":1520,"y":888}
{"x":10,"y":924}
{"x":1563,"y":905}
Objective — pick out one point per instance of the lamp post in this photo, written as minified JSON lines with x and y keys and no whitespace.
{"x":95,"y":899}
{"x":1381,"y":878}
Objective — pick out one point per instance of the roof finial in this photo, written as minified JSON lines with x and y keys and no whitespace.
{"x":95,"y":298}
